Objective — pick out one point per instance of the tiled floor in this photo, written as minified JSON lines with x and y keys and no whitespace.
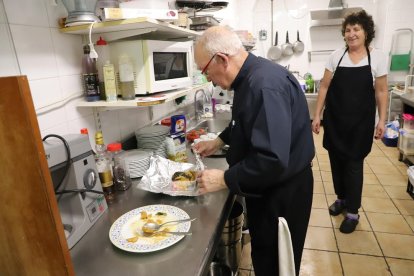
{"x":383,"y":242}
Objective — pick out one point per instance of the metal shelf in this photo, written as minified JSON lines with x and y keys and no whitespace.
{"x":142,"y":101}
{"x":146,"y":28}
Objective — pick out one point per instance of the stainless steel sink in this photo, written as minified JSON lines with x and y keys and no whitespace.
{"x":212,"y":125}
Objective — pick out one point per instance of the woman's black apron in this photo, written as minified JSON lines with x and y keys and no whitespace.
{"x":349,"y":115}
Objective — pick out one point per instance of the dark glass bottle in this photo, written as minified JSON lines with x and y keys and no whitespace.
{"x":90,"y":76}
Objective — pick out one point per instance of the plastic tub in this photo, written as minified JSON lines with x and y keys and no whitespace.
{"x":406,"y":142}
{"x":408,"y":122}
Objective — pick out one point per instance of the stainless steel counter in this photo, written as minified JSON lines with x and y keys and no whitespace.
{"x":94,"y":254}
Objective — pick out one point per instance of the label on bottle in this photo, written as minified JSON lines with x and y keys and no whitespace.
{"x":106,"y":179}
{"x":110,"y":84}
{"x":91,"y":83}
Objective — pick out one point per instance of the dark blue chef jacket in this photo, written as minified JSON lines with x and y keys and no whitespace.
{"x":271,"y":148}
{"x":270,"y":133}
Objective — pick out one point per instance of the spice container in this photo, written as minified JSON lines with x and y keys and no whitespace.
{"x":121,"y":175}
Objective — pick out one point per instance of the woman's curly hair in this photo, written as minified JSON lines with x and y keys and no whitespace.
{"x":363,"y":19}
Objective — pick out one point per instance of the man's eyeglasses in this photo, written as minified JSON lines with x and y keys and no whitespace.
{"x":204,"y":71}
{"x":208,"y":63}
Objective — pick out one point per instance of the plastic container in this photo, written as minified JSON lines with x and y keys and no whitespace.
{"x":121,"y":178}
{"x":109,"y":82}
{"x":406,"y":143}
{"x":178,"y":124}
{"x":102,"y":49}
{"x":126,"y":77}
{"x":408,"y":124}
{"x":90,"y":76}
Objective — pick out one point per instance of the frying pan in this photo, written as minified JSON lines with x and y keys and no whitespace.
{"x":274,"y":52}
{"x":298,"y":46}
{"x":287,"y":48}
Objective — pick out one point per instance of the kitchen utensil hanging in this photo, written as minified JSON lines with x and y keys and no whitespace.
{"x":287,"y":48}
{"x":298,"y":46}
{"x":274,"y":53}
{"x":400,"y":62}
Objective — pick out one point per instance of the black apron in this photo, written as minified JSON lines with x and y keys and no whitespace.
{"x":349,"y":116}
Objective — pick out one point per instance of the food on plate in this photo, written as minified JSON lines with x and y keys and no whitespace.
{"x":195,"y":134}
{"x":144,"y":215}
{"x":133,"y":239}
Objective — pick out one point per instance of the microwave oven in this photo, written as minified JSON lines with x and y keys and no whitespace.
{"x":158,"y":65}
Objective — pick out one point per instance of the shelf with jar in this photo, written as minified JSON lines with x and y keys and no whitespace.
{"x":144,"y":100}
{"x":146,"y":28}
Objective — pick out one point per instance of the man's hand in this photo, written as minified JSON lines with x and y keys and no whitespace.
{"x":210,"y":181}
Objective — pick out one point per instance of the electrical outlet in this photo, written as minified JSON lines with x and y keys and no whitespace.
{"x":262,"y":35}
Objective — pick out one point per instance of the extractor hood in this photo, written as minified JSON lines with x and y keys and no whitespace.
{"x":333,"y":15}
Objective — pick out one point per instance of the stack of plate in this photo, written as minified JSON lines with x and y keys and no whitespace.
{"x":137,"y":162}
{"x":153,"y":138}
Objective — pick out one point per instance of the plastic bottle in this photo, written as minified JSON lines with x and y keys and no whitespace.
{"x":102,"y":49}
{"x":103,"y":164}
{"x":90,"y":76}
{"x":122,"y":180}
{"x":126,"y":77}
{"x":109,"y":82}
{"x":310,"y":83}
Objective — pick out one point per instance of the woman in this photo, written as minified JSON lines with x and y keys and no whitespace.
{"x":354,"y":82}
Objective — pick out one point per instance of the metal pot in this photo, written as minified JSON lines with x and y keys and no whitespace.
{"x":287,"y":48}
{"x":274,"y":52}
{"x":298,"y":46}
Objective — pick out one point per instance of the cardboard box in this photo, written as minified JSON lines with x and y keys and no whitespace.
{"x":122,"y":13}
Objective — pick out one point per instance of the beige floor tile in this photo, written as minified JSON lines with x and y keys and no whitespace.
{"x":367,"y":169}
{"x":320,"y":238}
{"x":316,"y":262}
{"x":325,"y":166}
{"x":326,"y":176}
{"x":410,"y":221}
{"x":318,"y":187}
{"x":406,"y":207}
{"x":361,"y":242}
{"x":370,"y":178}
{"x":397,"y":192}
{"x":389,"y":223}
{"x":363,"y":224}
{"x":317,"y":176}
{"x":319,"y":201}
{"x":320,"y":217}
{"x":375,"y":160}
{"x":246,"y":260}
{"x":392,"y":180}
{"x":361,"y":265}
{"x":329,"y":188}
{"x":402,"y":168}
{"x":376,"y":152}
{"x":379,"y":205}
{"x":323,"y":158}
{"x":243,"y":272}
{"x":396,"y":245}
{"x":384,"y":169}
{"x":374,"y":190}
{"x":401,"y":267}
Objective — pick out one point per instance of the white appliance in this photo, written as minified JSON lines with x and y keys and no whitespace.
{"x":158,"y":65}
{"x":79,"y":196}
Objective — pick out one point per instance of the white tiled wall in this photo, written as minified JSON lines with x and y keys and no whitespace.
{"x":52,"y":61}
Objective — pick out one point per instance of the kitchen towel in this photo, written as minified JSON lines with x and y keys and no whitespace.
{"x":286,"y":259}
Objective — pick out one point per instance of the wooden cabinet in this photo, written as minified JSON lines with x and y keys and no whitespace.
{"x":32,"y":240}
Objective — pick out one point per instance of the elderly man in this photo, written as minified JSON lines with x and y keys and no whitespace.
{"x":271,"y":144}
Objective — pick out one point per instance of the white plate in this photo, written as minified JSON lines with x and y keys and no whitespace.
{"x":123,"y":228}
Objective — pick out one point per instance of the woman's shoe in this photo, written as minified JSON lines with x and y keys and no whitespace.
{"x":348,"y":225}
{"x":337,"y":208}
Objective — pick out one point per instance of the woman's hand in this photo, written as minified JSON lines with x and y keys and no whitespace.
{"x":380,"y":130}
{"x":316,"y":124}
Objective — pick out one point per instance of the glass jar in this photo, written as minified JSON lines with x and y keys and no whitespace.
{"x":121,"y":177}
